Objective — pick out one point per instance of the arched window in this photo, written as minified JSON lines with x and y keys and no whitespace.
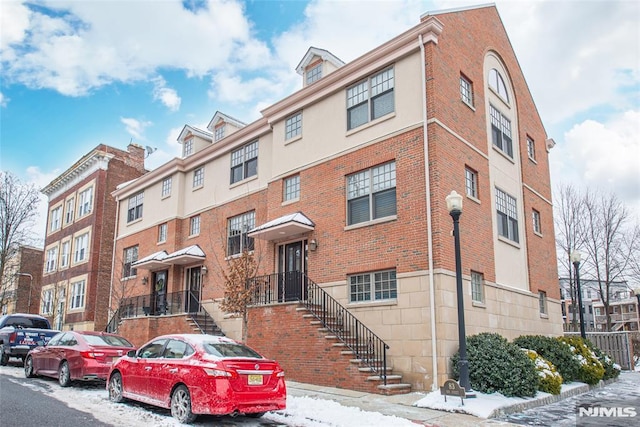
{"x":496,"y":82}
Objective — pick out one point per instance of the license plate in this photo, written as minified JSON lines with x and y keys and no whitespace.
{"x":255,"y":379}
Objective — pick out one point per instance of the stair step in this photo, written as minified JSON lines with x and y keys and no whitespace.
{"x":308,"y":316}
{"x":346,"y":352}
{"x":302,"y":309}
{"x":368,"y":368}
{"x":389,"y":378}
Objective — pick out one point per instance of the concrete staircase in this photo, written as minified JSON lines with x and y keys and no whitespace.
{"x":203,"y":323}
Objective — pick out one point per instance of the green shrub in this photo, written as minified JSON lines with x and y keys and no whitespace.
{"x":611,"y":369}
{"x":550,"y":380}
{"x":555,"y":352}
{"x":496,"y":365}
{"x":591,"y":370}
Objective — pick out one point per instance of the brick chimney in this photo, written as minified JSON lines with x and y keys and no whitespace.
{"x":136,"y":156}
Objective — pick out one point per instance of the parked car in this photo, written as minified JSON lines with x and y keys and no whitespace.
{"x":199,"y":374}
{"x":76,"y":355}
{"x":21,"y":332}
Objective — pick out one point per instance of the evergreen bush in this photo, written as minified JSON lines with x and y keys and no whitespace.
{"x":550,"y":380}
{"x":555,"y":352}
{"x":591,"y":370}
{"x":611,"y":369}
{"x":496,"y":365}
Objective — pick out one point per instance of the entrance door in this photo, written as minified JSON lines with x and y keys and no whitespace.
{"x":292,"y":265}
{"x":159,"y":292}
{"x":194,"y":285}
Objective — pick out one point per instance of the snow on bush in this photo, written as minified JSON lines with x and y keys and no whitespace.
{"x":550,"y":378}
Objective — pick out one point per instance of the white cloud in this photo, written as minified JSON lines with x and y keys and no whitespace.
{"x":135,"y":127}
{"x":14,"y":21}
{"x":3,"y":100}
{"x":168,"y":96}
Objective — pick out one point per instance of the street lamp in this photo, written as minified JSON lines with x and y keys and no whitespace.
{"x":454,"y":206}
{"x":575,"y":259}
{"x":30,"y":286}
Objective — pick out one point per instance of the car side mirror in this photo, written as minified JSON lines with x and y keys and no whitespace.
{"x":131,"y":353}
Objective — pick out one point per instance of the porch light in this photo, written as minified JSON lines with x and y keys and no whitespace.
{"x":204,"y":270}
{"x":313,"y":245}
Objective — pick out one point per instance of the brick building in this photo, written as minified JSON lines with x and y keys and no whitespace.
{"x":78,"y":251}
{"x":20,"y":290}
{"x":339,"y":193}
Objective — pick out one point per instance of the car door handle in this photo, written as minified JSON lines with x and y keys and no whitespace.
{"x":173,"y":370}
{"x":147,"y":368}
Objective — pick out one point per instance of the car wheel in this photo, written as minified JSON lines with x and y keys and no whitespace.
{"x":28,"y":368}
{"x":255,"y":414}
{"x":181,"y":405}
{"x":64,"y":375}
{"x":4,"y":357}
{"x":115,"y":388}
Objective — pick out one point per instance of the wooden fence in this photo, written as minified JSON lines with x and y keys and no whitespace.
{"x":617,"y":345}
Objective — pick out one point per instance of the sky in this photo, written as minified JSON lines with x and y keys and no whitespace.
{"x":75,"y":74}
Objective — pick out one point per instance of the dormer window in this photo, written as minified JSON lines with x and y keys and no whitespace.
{"x":314,"y":73}
{"x":188,"y":148}
{"x":496,"y":82}
{"x":219,"y":132}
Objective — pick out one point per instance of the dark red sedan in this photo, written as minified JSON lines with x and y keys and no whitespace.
{"x":199,"y":374}
{"x":76,"y":355}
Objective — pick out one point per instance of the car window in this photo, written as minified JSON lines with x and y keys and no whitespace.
{"x":68,"y":340}
{"x":177,"y":350}
{"x":230,"y":350}
{"x":27,"y":322}
{"x":107,"y":340}
{"x":56,"y":339}
{"x":152,"y":350}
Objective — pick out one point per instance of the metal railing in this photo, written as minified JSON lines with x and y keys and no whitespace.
{"x":153,"y":305}
{"x":296,"y":286}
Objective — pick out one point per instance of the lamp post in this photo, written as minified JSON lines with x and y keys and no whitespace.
{"x":575,"y":259}
{"x":30,"y":287}
{"x":454,"y":206}
{"x":636,"y":291}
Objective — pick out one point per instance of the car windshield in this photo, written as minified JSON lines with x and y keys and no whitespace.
{"x":230,"y":350}
{"x":107,"y":340}
{"x":27,"y":322}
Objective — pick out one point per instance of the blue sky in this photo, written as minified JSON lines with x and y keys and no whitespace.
{"x":75,"y":74}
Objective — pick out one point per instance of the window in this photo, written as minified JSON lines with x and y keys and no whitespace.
{"x":129,"y":257}
{"x":198,"y":177}
{"x":187,"y":148}
{"x":531,"y":149}
{"x":293,"y":126}
{"x":466,"y":91}
{"x":362,"y":107}
{"x":237,"y":229}
{"x":496,"y":83}
{"x":371,"y":194}
{"x":542,"y":299}
{"x":80,"y":244}
{"x":471,"y":182}
{"x":47,"y":301}
{"x":162,"y":233}
{"x":218,"y":133}
{"x":68,"y":211}
{"x":507,"y":215}
{"x":384,"y":286}
{"x":55,"y":217}
{"x":52,"y":257}
{"x":166,"y":187}
{"x":194,"y":225}
{"x":501,"y":131}
{"x":477,"y":287}
{"x":64,"y":256}
{"x":314,"y":74}
{"x":85,"y":202}
{"x":244,"y":162}
{"x":135,"y":207}
{"x":77,"y":295}
{"x":291,"y":188}
{"x":536,"y":222}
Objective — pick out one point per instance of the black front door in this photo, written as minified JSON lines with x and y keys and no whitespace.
{"x":194,"y":285}
{"x":159,"y":289}
{"x":292,"y":265}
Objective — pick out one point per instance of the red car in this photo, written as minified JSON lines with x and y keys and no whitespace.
{"x":76,"y":355}
{"x":199,"y":374}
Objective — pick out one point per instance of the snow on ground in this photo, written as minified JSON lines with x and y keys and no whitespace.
{"x":300,"y":412}
{"x":483,"y":405}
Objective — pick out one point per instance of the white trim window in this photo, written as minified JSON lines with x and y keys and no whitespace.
{"x":384,"y":286}
{"x":244,"y":162}
{"x":542,"y":300}
{"x":314,"y":74}
{"x":166,"y":186}
{"x":52,"y":259}
{"x":162,"y":233}
{"x":69,"y":210}
{"x":47,"y":301}
{"x":187,"y":148}
{"x":77,"y":295}
{"x":194,"y":225}
{"x":535,"y":216}
{"x":466,"y":90}
{"x":198,"y":177}
{"x":531,"y":148}
{"x":507,"y":214}
{"x":85,"y":202}
{"x":219,"y":132}
{"x":471,"y":182}
{"x":134,"y":210}
{"x":291,"y":188}
{"x":129,"y":256}
{"x":477,"y":287}
{"x":237,"y":229}
{"x":293,"y":126}
{"x":65,"y":254}
{"x":55,"y":217}
{"x":501,"y":131}
{"x":496,"y":82}
{"x":370,"y":99}
{"x":371,"y":194}
{"x":80,"y":244}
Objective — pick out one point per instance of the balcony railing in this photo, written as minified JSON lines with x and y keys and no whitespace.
{"x":296,"y":286}
{"x":618,"y":317}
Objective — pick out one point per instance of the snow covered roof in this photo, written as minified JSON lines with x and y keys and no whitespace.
{"x":283,"y":227}
{"x":186,"y":255}
{"x":153,"y":261}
